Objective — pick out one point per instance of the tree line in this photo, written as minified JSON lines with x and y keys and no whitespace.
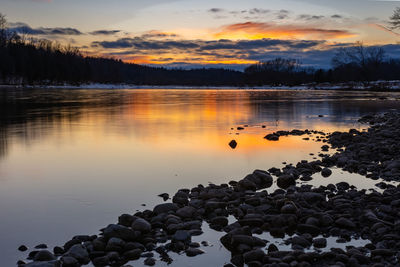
{"x":28,"y":61}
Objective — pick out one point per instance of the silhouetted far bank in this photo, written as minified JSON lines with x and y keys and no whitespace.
{"x":47,"y":63}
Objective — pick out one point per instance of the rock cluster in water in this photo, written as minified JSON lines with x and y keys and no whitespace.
{"x":307,"y":215}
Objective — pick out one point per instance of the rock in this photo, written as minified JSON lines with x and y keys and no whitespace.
{"x":272,"y":248}
{"x":43,"y":264}
{"x":289,"y":209}
{"x":182,"y":235}
{"x":69,"y":262}
{"x":126,"y":220}
{"x":310,"y":229}
{"x":272,"y":137}
{"x":326,"y":172}
{"x":325,"y":148}
{"x":254,"y":255}
{"x":320,"y":242}
{"x":285,"y":181}
{"x":133,"y":254}
{"x":22,"y":248}
{"x":119,"y":231}
{"x":300,"y":241}
{"x":79,"y":252}
{"x":141,"y":225}
{"x":164,"y":196}
{"x":150,"y":262}
{"x":219,"y":220}
{"x":115,"y":244}
{"x":345,"y":223}
{"x":58,"y":250}
{"x":165,"y":208}
{"x":192,"y":252}
{"x":44,"y":255}
{"x":41,"y":246}
{"x":102,"y":261}
{"x":233,"y":144}
{"x":186,"y":212}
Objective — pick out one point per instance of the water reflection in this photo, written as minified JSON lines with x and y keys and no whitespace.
{"x":159,"y":116}
{"x":76,"y":159}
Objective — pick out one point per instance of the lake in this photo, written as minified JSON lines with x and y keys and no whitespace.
{"x":72,"y":161}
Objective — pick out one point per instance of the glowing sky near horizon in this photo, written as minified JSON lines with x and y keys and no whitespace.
{"x":181,"y":32}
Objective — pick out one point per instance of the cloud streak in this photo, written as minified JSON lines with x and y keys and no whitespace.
{"x":255,"y":30}
{"x":24,"y":28}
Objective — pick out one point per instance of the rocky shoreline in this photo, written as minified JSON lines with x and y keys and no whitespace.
{"x":302,"y":215}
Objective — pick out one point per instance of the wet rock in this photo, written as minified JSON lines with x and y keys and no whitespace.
{"x":182,"y":235}
{"x":79,"y":253}
{"x":272,"y":137}
{"x":165,"y":208}
{"x":233,"y":144}
{"x":320,"y":242}
{"x":326,"y":172}
{"x":126,"y":220}
{"x":42,"y":264}
{"x":300,"y":241}
{"x":22,"y":248}
{"x":119,"y":231}
{"x":58,"y":250}
{"x":346,"y":223}
{"x":150,"y":262}
{"x":164,"y":196}
{"x":141,"y":225}
{"x":44,"y":255}
{"x":192,"y":252}
{"x":219,"y":220}
{"x":115,"y":244}
{"x":289,"y":209}
{"x":325,"y":148}
{"x":307,"y":228}
{"x":69,"y":262}
{"x":186,"y":212}
{"x":102,"y":261}
{"x":254,"y":255}
{"x":41,"y":246}
{"x":285,"y":181}
{"x":133,"y":254}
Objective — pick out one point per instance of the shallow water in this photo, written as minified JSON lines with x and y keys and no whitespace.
{"x":72,"y":161}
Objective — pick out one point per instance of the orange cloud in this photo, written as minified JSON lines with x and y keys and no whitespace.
{"x":257,"y":30}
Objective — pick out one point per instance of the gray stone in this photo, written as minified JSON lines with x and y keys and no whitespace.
{"x":165,"y":208}
{"x":141,"y":225}
{"x":182,"y":235}
{"x":44,"y":255}
{"x":326,"y":172}
{"x":80,"y":253}
{"x":192,"y":252}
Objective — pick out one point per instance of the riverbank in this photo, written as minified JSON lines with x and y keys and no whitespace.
{"x":379,"y":86}
{"x":304,"y":216}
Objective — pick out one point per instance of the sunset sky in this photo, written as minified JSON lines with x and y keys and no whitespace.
{"x":190,"y":33}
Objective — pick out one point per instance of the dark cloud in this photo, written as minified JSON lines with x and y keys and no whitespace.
{"x":282,"y":14}
{"x":216,"y":10}
{"x":105,"y":32}
{"x":24,"y":28}
{"x":258,"y":11}
{"x":222,"y":44}
{"x":145,"y":44}
{"x":310,"y":17}
{"x":336,"y":16}
{"x":157,"y":34}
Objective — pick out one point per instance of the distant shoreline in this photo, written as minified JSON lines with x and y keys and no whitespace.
{"x":378,"y":86}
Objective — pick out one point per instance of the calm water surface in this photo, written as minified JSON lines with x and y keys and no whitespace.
{"x":72,"y":161}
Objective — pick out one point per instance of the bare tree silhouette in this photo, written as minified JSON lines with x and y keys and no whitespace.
{"x":395,"y":19}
